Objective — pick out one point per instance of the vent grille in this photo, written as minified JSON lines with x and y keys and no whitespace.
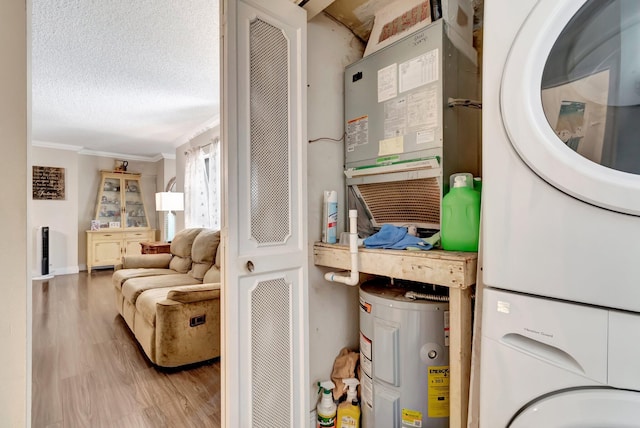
{"x":402,"y":202}
{"x":269,"y":111}
{"x":271,"y":354}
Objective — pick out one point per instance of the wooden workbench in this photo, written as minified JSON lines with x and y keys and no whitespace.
{"x":456,"y":270}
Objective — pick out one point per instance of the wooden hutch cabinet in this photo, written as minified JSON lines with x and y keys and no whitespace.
{"x":120,"y":223}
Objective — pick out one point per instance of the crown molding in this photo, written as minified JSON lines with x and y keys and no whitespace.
{"x":203,"y":127}
{"x":122,"y":156}
{"x":57,"y":146}
{"x":82,"y":151}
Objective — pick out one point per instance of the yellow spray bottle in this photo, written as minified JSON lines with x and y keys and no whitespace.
{"x":349,"y":410}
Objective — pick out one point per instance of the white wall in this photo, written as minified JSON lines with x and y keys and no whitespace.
{"x":333,"y":307}
{"x":63,"y":228}
{"x":15,"y":323}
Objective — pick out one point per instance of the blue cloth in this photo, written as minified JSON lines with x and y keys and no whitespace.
{"x":395,"y":238}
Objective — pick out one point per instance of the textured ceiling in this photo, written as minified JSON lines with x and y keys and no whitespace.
{"x":122,"y":76}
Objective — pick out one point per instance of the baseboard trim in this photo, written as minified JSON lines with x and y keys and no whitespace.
{"x":66,"y":270}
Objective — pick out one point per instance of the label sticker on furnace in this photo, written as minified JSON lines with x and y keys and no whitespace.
{"x":357,"y":132}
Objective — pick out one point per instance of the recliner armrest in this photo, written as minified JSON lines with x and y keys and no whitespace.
{"x":137,"y":261}
{"x":194,"y":293}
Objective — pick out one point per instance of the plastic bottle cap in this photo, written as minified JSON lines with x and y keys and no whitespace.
{"x":460,"y":181}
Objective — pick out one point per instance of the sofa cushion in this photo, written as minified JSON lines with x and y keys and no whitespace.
{"x":203,"y":252}
{"x":181,"y":249}
{"x":135,"y":261}
{"x":194,"y":293}
{"x":133,"y":287}
{"x":212,"y":276}
{"x":120,"y":276}
{"x":146,"y":303}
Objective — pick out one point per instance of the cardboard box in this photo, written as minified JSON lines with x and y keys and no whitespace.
{"x":401,"y":17}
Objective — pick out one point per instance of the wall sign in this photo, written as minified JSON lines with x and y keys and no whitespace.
{"x":48,"y":183}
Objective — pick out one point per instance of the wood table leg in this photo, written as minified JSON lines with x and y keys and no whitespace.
{"x":459,"y":355}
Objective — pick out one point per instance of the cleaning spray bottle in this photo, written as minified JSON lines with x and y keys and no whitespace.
{"x":326,"y":408}
{"x":349,"y":410}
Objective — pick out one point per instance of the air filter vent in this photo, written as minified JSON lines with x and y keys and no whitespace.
{"x":402,"y":202}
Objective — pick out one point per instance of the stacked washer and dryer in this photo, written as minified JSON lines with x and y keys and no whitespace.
{"x":561,"y":214}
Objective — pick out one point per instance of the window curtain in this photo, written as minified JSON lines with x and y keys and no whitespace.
{"x":202,"y":187}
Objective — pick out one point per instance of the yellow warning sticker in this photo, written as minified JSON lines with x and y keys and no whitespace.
{"x":411,"y":418}
{"x":438,"y":394}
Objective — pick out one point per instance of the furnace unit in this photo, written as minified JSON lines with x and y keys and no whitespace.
{"x":412,"y":119}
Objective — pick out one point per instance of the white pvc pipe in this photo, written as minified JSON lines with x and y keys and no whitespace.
{"x":354,"y":277}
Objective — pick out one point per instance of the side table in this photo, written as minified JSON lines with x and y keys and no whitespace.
{"x":155,"y":247}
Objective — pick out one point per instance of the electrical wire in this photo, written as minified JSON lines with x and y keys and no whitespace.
{"x":328,"y":138}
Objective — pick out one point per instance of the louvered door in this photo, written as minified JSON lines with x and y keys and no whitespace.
{"x":265,"y":290}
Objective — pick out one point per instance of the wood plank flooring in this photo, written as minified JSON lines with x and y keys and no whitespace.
{"x":88,"y":370}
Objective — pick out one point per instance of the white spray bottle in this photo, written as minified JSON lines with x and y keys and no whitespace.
{"x":349,"y":410}
{"x":326,"y":408}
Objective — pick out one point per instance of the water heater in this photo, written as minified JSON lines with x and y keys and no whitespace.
{"x":404,"y":359}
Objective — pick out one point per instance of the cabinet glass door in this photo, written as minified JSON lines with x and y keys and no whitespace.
{"x":109,"y":208}
{"x":134,"y":205}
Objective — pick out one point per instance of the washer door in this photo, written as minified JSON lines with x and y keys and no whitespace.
{"x":570,"y":99}
{"x":584,"y":408}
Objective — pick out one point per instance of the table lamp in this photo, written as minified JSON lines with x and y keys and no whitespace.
{"x":170,"y":202}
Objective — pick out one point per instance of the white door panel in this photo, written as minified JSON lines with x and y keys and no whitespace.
{"x":265,"y":251}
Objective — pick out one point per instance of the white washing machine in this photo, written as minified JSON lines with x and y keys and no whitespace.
{"x":561,"y":213}
{"x":555,"y":364}
{"x":561,"y":149}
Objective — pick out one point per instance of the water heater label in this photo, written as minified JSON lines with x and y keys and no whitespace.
{"x":365,"y":346}
{"x":365,"y":306}
{"x":438,"y":392}
{"x":367,"y":366}
{"x":411,"y":418}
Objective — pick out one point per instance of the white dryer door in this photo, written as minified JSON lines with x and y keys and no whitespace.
{"x":584,"y":408}
{"x":570,"y":99}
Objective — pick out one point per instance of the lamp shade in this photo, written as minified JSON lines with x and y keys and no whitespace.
{"x":169,"y":201}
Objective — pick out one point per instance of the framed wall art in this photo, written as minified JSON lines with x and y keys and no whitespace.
{"x":48,"y":183}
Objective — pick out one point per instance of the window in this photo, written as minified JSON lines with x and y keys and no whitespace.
{"x":202,"y":186}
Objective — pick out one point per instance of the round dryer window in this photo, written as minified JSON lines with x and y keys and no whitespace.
{"x":570,"y":99}
{"x":584,"y":408}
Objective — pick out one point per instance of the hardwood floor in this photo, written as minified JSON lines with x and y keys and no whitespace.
{"x":88,"y":370}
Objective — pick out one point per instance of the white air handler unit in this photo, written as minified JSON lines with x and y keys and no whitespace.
{"x":404,"y":358}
